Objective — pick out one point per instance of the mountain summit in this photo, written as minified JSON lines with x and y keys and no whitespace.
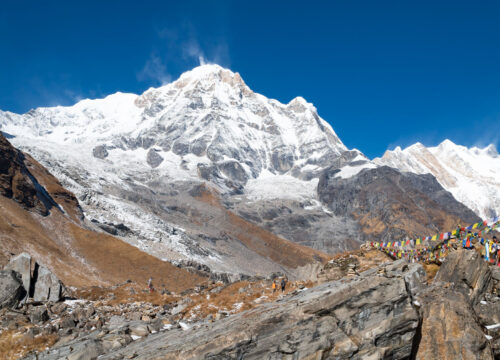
{"x":208,"y":117}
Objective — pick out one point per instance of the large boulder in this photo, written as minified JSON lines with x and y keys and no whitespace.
{"x":153,"y":158}
{"x":11,"y":288}
{"x":22,"y":265}
{"x":449,"y":329}
{"x":47,"y":286}
{"x":466,"y":269}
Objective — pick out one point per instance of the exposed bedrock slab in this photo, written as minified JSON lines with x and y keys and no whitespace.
{"x":370,"y":316}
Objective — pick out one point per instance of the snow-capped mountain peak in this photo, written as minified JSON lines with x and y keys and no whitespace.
{"x":470,"y":174}
{"x":207,"y":126}
{"x":208,"y":117}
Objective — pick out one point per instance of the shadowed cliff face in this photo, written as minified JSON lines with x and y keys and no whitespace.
{"x":389,"y":204}
{"x":17,"y":183}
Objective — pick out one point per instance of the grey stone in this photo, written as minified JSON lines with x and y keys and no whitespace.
{"x":138,"y":328}
{"x":47,"y":286}
{"x":449,"y":329}
{"x":39,"y":315}
{"x":100,"y":152}
{"x":178,"y":309}
{"x":112,"y":342}
{"x":67,"y":322}
{"x":180,"y":148}
{"x":89,"y":350}
{"x":153,"y":158}
{"x":22,"y":265}
{"x":11,"y":288}
{"x":466,"y":268}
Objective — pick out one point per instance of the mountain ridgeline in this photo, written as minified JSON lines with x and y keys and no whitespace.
{"x":205,"y":169}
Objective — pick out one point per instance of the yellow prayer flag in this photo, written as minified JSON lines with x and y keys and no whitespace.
{"x":434,"y":238}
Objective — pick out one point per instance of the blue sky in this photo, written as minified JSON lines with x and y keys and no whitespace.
{"x":383,"y":73}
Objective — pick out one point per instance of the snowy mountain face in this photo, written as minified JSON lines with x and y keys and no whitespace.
{"x":208,"y":121}
{"x":471,"y":175}
{"x":205,"y":169}
{"x":134,"y":159}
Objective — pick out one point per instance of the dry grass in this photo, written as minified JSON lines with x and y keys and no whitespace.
{"x":124,"y":294}
{"x":431,"y":270}
{"x":14,"y":345}
{"x":233,"y":300}
{"x":118,"y":261}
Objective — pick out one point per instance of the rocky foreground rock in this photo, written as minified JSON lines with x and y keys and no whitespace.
{"x":367,"y":316}
{"x":387,"y":312}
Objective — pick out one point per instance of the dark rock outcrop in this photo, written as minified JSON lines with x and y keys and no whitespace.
{"x":389,"y":204}
{"x":100,"y":152}
{"x":153,"y":158}
{"x":17,"y":183}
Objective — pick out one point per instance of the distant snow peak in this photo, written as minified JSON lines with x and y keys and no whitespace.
{"x":471,"y":175}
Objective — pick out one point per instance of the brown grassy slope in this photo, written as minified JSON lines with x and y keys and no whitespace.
{"x":81,"y":257}
{"x":78,"y":256}
{"x":262,"y":241}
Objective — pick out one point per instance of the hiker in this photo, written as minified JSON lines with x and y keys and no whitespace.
{"x":274,"y":286}
{"x":467,"y":241}
{"x":150,"y":285}
{"x":283,"y":284}
{"x":487,"y":250}
{"x":498,"y":251}
{"x":494,"y":249}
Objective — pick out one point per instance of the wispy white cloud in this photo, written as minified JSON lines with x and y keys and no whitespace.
{"x":181,"y":47}
{"x":154,"y":69}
